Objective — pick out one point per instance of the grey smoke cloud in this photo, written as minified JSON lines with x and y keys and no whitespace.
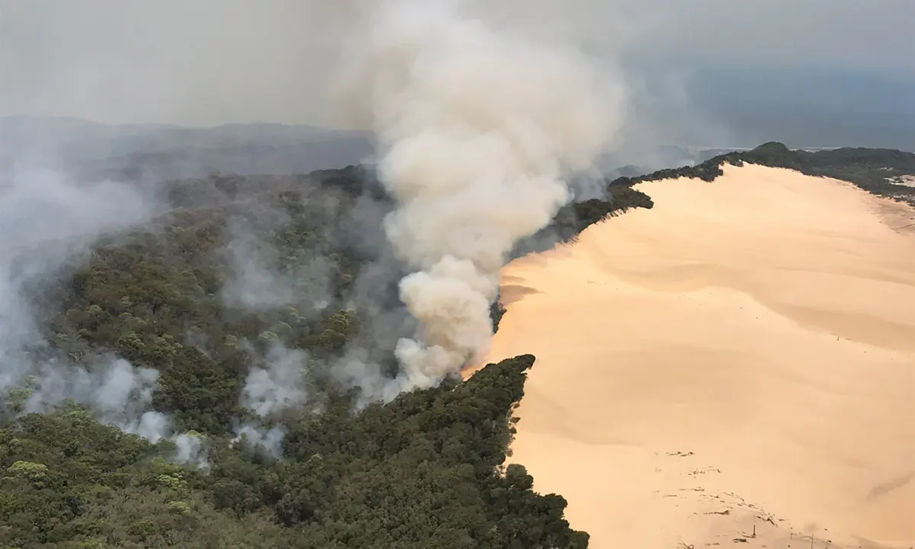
{"x":842,"y":33}
{"x":207,"y":62}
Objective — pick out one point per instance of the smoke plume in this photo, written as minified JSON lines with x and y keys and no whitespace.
{"x":477,"y":127}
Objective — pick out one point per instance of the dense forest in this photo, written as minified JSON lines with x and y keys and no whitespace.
{"x":256,"y":315}
{"x":874,"y":170}
{"x":421,"y":472}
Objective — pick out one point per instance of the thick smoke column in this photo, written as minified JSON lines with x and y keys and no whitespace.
{"x":477,"y":127}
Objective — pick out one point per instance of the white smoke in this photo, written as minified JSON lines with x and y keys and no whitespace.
{"x":270,"y":390}
{"x":278,"y":386}
{"x":190,"y":449}
{"x":46,"y":222}
{"x":271,"y":440}
{"x":119,"y":393}
{"x":258,"y":284}
{"x":477,"y":128}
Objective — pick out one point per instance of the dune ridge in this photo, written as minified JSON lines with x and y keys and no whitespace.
{"x":736,"y":365}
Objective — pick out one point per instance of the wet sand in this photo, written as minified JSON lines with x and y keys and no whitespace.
{"x":740,"y":358}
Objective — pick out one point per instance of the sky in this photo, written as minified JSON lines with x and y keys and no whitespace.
{"x":696,"y":68}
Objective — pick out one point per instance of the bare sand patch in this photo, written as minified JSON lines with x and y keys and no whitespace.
{"x":739,"y":359}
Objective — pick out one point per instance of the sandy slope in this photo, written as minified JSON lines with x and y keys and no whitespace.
{"x":742,"y":356}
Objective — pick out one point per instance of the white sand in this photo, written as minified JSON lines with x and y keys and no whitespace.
{"x":740,"y":356}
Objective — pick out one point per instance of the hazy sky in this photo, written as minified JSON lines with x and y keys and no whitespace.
{"x":206,"y":62}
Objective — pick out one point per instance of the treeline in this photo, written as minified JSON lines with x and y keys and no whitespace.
{"x":871,"y":169}
{"x":424,"y":471}
{"x":573,"y":218}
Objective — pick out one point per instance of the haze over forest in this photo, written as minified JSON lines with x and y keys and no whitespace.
{"x":710,"y":73}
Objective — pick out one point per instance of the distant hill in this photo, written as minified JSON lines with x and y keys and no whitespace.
{"x":164,"y":152}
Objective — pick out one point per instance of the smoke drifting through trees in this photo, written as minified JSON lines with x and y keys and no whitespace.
{"x":476,"y":128}
{"x":46,"y":224}
{"x":313,"y":260}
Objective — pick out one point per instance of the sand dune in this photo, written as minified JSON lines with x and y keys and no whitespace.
{"x":740,"y":357}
